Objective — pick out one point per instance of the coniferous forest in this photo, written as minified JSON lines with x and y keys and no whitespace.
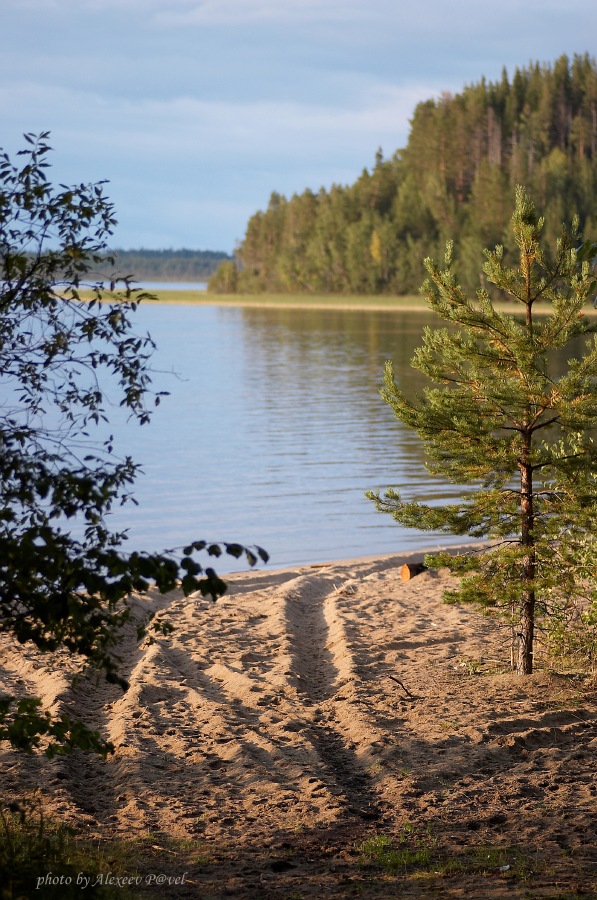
{"x":455,"y":179}
{"x":169,"y":265}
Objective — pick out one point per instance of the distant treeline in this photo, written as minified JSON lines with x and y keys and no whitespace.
{"x":455,"y":179}
{"x":169,"y":265}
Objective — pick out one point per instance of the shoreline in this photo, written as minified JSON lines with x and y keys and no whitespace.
{"x":341,"y":302}
{"x":395,"y":559}
{"x":371,"y":303}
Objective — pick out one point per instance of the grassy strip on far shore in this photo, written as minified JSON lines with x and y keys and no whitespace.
{"x":364,"y":302}
{"x":294,"y":301}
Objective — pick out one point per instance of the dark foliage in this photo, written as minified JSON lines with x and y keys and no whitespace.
{"x":169,"y":265}
{"x":64,"y":577}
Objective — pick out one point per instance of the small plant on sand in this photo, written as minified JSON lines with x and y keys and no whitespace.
{"x":411,"y":851}
{"x":569,"y":642}
{"x":40,"y":857}
{"x":419,"y":853}
{"x":43,"y":858}
{"x":506,"y":420}
{"x":468,"y":666}
{"x":513,"y":862}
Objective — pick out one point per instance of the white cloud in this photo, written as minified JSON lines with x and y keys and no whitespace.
{"x":238,"y":12}
{"x":212,"y":12}
{"x":191,"y":171}
{"x":83,"y":6}
{"x":223,"y":101}
{"x":188,"y":128}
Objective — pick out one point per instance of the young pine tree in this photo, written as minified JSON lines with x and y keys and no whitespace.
{"x":506,"y":421}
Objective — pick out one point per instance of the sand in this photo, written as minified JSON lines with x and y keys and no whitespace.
{"x":312,"y":709}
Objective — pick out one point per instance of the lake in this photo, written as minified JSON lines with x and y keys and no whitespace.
{"x":273,"y":431}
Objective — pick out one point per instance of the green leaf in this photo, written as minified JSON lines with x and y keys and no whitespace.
{"x":235,"y":550}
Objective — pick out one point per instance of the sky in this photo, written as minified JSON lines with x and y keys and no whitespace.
{"x":195,"y":111}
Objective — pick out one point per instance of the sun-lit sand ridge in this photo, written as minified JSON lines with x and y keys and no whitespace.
{"x":316,"y":706}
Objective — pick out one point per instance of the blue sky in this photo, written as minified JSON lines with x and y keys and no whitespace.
{"x":196,"y":110}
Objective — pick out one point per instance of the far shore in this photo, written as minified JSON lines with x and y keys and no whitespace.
{"x":360,"y":302}
{"x":373,"y":303}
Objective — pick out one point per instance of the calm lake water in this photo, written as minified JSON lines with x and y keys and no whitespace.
{"x":273,"y":430}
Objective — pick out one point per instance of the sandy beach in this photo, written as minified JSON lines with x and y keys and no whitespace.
{"x":314,"y":709}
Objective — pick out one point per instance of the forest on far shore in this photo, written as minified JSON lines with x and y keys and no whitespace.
{"x":455,"y":180}
{"x":168,"y":265}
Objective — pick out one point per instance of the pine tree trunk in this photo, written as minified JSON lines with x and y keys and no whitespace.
{"x":524,"y":663}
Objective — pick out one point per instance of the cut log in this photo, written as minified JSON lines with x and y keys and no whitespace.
{"x":409,"y":571}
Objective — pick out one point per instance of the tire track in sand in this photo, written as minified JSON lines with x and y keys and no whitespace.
{"x":322,"y":672}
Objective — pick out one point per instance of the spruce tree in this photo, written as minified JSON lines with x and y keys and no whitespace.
{"x":505,"y":421}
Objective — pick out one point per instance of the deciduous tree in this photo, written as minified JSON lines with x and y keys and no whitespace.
{"x":65,"y":577}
